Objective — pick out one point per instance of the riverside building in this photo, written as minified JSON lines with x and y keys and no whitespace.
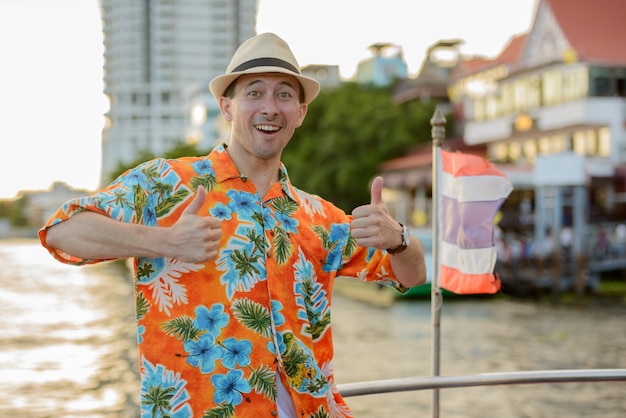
{"x":549,"y":112}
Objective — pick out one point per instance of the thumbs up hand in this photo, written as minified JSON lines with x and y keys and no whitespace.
{"x":372,"y":225}
{"x":197,"y":203}
{"x":194,"y":237}
{"x":377,"y":191}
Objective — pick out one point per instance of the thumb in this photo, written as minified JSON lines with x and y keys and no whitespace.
{"x":197,"y":203}
{"x":377,"y":191}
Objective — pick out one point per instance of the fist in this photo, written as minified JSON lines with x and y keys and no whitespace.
{"x":372,"y":225}
{"x":195,"y":238}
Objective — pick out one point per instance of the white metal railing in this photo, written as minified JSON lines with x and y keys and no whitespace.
{"x":487,"y":379}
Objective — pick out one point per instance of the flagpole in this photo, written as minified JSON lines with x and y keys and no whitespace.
{"x":438,"y":122}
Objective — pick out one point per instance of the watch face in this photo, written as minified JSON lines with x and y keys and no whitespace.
{"x":406,"y":238}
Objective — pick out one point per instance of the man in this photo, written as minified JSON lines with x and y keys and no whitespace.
{"x":234,"y":266}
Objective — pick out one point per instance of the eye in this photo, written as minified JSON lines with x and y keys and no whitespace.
{"x":254,"y":93}
{"x":284,"y":95}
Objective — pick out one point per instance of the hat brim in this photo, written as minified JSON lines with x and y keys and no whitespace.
{"x":219,"y":84}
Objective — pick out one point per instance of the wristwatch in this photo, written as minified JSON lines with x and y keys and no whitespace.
{"x":406,"y":238}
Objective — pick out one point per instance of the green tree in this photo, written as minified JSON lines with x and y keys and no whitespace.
{"x":347,"y":134}
{"x":14,"y":211}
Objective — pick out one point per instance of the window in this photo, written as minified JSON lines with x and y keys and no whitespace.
{"x":621,"y":86}
{"x":579,"y":143}
{"x":552,"y":84}
{"x":602,"y":86}
{"x":530,"y":150}
{"x":515,"y":151}
{"x":604,"y":142}
{"x":500,"y":152}
{"x":592,"y":142}
{"x":534,"y":92}
{"x":608,"y":82}
{"x":544,"y":146}
{"x":558,"y":144}
{"x":575,"y":84}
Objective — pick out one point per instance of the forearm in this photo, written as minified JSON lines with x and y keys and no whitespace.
{"x":409,"y":266}
{"x":89,"y":235}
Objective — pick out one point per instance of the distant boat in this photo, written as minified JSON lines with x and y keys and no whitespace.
{"x":385,"y":296}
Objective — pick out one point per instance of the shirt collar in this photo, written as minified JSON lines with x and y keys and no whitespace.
{"x":224,"y":169}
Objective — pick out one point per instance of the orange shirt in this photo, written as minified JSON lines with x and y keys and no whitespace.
{"x":213,"y":336}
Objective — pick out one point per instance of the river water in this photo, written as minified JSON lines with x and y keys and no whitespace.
{"x":68,"y":347}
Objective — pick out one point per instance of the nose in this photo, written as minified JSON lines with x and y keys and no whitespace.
{"x":270,"y":106}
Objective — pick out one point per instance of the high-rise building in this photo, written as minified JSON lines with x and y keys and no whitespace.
{"x":159,"y":56}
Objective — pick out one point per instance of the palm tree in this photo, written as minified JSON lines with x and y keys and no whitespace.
{"x":160,"y":399}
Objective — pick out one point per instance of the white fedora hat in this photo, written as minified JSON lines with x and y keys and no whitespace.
{"x":264,"y":53}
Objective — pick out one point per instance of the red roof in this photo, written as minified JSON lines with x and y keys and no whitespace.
{"x":512,"y":51}
{"x":509,"y":55}
{"x":422,"y":156}
{"x":596,"y":29}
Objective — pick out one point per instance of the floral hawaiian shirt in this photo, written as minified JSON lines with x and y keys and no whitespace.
{"x":214,"y":336}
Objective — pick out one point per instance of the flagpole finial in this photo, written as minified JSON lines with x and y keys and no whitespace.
{"x":438,"y":123}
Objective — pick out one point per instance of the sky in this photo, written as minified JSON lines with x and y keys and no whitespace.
{"x":51,"y":101}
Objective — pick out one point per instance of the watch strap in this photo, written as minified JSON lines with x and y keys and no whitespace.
{"x":403,"y":246}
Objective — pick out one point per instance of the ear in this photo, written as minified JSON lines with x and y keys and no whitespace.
{"x":303,"y":110}
{"x":224,"y":103}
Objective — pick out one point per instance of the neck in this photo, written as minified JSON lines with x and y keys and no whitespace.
{"x":262,"y":173}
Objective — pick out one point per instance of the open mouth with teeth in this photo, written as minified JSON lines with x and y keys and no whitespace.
{"x":267,"y":128}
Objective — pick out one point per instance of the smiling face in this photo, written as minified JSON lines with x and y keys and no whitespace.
{"x":265,"y":110}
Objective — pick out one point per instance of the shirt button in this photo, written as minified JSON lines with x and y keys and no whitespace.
{"x":274,"y":413}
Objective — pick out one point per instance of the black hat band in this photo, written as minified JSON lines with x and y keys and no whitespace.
{"x":265,"y":62}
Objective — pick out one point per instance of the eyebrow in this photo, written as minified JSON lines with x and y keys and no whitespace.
{"x":287,"y":83}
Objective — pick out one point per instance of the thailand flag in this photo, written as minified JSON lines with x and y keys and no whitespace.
{"x":471,"y":192}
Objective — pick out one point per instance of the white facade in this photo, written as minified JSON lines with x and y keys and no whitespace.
{"x":157,"y":54}
{"x":553,"y":119}
{"x":545,"y":104}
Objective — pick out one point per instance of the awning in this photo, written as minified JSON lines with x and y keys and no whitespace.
{"x":407,"y":179}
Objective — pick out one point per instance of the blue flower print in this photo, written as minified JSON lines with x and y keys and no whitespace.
{"x":203,"y":166}
{"x":337,"y":237}
{"x":333,"y":260}
{"x":149,"y":216}
{"x":203,"y":353}
{"x":229,"y":387}
{"x":140,"y":331}
{"x":269,"y":222}
{"x":135,"y":176}
{"x":281,"y":345}
{"x":221,"y":211}
{"x":288,"y":223}
{"x":242,"y":203}
{"x":339,"y":232}
{"x":211,"y":320}
{"x":236,"y":352}
{"x":279,"y":319}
